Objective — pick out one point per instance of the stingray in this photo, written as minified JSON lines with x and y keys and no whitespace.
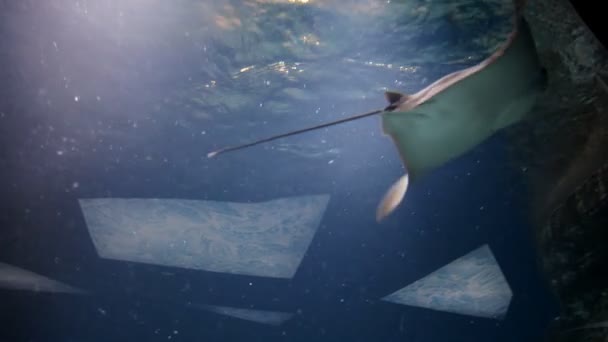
{"x":456,"y":112}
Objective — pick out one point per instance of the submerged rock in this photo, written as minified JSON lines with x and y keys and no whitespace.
{"x":562,"y":153}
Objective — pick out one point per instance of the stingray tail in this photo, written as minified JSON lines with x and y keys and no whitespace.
{"x":299,"y":131}
{"x":393,"y":98}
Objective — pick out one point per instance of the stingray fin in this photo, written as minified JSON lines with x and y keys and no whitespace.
{"x":392,"y":198}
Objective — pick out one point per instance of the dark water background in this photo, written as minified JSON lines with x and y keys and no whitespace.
{"x":97,"y":101}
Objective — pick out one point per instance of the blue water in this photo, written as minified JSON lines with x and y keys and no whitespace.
{"x":97,"y":102}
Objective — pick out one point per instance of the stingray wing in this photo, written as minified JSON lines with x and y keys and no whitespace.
{"x":428,"y":131}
